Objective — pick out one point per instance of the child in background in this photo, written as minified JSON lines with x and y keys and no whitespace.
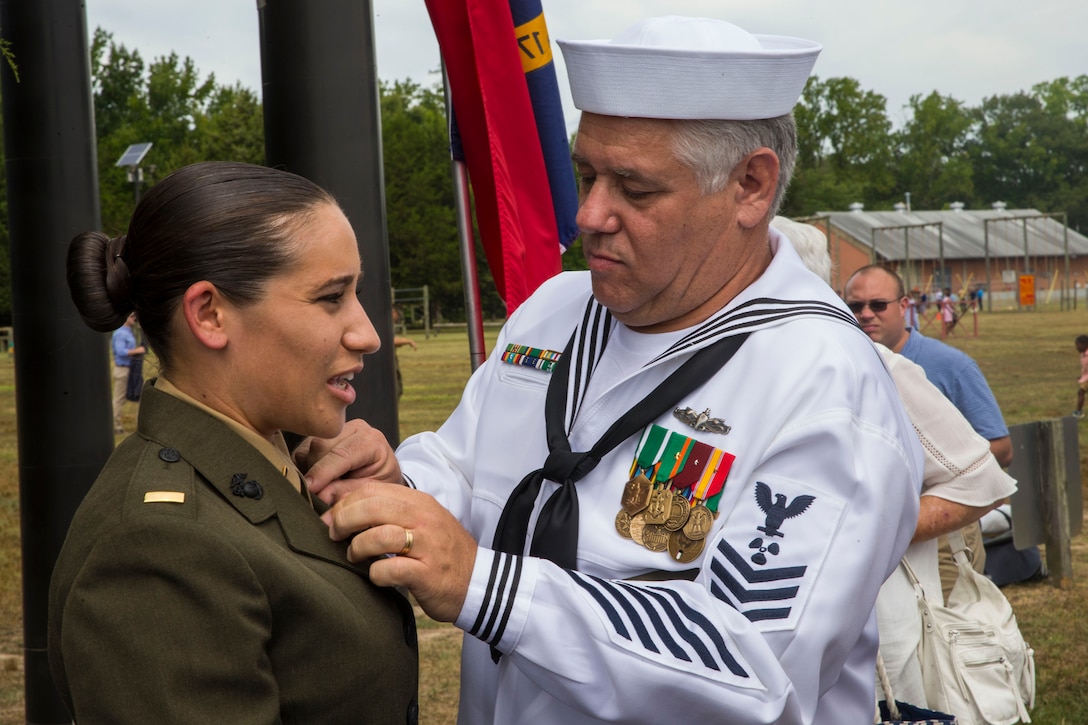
{"x":1082,"y":382}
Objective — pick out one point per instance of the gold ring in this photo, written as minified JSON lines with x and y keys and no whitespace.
{"x":408,"y":539}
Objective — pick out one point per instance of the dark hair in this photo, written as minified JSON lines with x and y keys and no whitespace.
{"x":224,"y":222}
{"x":1081,"y":340}
{"x":899,"y":288}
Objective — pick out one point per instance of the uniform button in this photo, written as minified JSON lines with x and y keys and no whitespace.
{"x":413,"y":713}
{"x":410,"y":631}
{"x":170,"y":455}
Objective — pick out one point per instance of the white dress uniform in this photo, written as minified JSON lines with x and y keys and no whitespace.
{"x":817,"y":509}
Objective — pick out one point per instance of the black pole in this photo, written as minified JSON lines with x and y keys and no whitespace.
{"x":322,"y":120}
{"x":61,"y":366}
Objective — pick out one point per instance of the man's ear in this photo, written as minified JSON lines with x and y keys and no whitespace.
{"x":757,"y":179}
{"x":203,"y":308}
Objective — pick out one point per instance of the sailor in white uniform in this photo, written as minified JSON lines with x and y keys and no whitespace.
{"x":674,"y":489}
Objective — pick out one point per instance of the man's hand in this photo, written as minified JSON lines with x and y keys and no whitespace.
{"x":335,"y":467}
{"x":433,"y":555}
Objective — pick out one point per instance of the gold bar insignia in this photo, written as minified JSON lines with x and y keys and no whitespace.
{"x":164,"y":497}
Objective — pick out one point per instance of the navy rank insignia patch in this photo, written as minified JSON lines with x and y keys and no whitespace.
{"x":778,"y":512}
{"x":772,"y":548}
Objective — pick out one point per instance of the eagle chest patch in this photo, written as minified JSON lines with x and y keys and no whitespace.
{"x":772,"y":550}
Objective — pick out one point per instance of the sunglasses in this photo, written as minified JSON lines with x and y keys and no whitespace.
{"x":877,"y":306}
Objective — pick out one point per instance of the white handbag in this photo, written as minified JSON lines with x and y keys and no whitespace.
{"x":975,"y":663}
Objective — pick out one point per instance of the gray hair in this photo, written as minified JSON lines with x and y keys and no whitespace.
{"x":712,"y":149}
{"x":810,"y":244}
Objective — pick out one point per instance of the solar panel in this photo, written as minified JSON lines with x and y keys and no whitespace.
{"x":134,"y":154}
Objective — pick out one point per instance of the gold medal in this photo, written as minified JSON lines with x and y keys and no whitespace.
{"x":636,"y":494}
{"x":660,"y":506}
{"x":699,"y":521}
{"x":679,"y":514}
{"x":683,"y":549}
{"x":655,"y":537}
{"x":623,"y":524}
{"x":636,"y":527}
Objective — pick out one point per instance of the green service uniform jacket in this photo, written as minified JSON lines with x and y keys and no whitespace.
{"x":231,"y":606}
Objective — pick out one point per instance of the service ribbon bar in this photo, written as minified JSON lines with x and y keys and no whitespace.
{"x":533,"y":357}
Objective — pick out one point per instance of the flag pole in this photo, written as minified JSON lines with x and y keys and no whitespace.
{"x":473,"y":312}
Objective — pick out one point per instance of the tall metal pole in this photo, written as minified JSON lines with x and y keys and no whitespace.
{"x":940,"y":251}
{"x":474,"y":317}
{"x":1065,"y":253}
{"x":906,"y":256}
{"x":322,"y":120}
{"x":986,"y":247}
{"x":63,"y":404}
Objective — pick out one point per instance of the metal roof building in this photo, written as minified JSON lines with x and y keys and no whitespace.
{"x":958,"y":248}
{"x":959,"y":234}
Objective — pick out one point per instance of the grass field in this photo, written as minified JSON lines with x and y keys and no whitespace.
{"x":1028,"y":358}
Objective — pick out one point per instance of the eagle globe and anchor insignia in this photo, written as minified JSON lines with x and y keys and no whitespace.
{"x":776,"y":512}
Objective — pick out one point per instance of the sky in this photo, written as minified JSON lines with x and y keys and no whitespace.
{"x":967,"y":49}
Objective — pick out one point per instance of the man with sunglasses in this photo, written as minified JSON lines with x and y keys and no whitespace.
{"x":878,"y":299}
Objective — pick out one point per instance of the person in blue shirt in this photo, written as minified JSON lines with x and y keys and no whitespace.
{"x":878,"y":300}
{"x":124,"y":348}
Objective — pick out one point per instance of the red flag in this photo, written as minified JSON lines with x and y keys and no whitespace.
{"x":502,"y":150}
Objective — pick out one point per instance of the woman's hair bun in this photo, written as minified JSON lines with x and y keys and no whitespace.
{"x":98,"y":280}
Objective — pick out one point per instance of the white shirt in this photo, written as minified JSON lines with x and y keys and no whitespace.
{"x":959,"y":467}
{"x":764,"y":634}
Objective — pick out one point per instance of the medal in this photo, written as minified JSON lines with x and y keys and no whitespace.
{"x":636,"y":494}
{"x":636,"y":527}
{"x":683,"y":549}
{"x":698,"y":524}
{"x":660,"y":506}
{"x":679,"y":514}
{"x":623,"y":524}
{"x":655,"y":537}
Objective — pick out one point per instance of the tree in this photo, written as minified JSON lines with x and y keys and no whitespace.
{"x":934,"y":166}
{"x":188,"y":119}
{"x":1031,"y":149}
{"x":844,"y":148}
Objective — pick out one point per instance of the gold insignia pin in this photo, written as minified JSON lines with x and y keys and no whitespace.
{"x":702,"y":422}
{"x":164,"y":497}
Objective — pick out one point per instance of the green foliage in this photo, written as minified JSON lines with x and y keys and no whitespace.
{"x":1028,"y":149}
{"x":420,"y":212}
{"x":188,"y":119}
{"x":844,"y":147}
{"x":934,"y":165}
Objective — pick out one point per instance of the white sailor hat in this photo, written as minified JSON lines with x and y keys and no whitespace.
{"x":690,"y":68}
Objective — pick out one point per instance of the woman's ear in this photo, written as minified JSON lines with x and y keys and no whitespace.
{"x":203,"y":309}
